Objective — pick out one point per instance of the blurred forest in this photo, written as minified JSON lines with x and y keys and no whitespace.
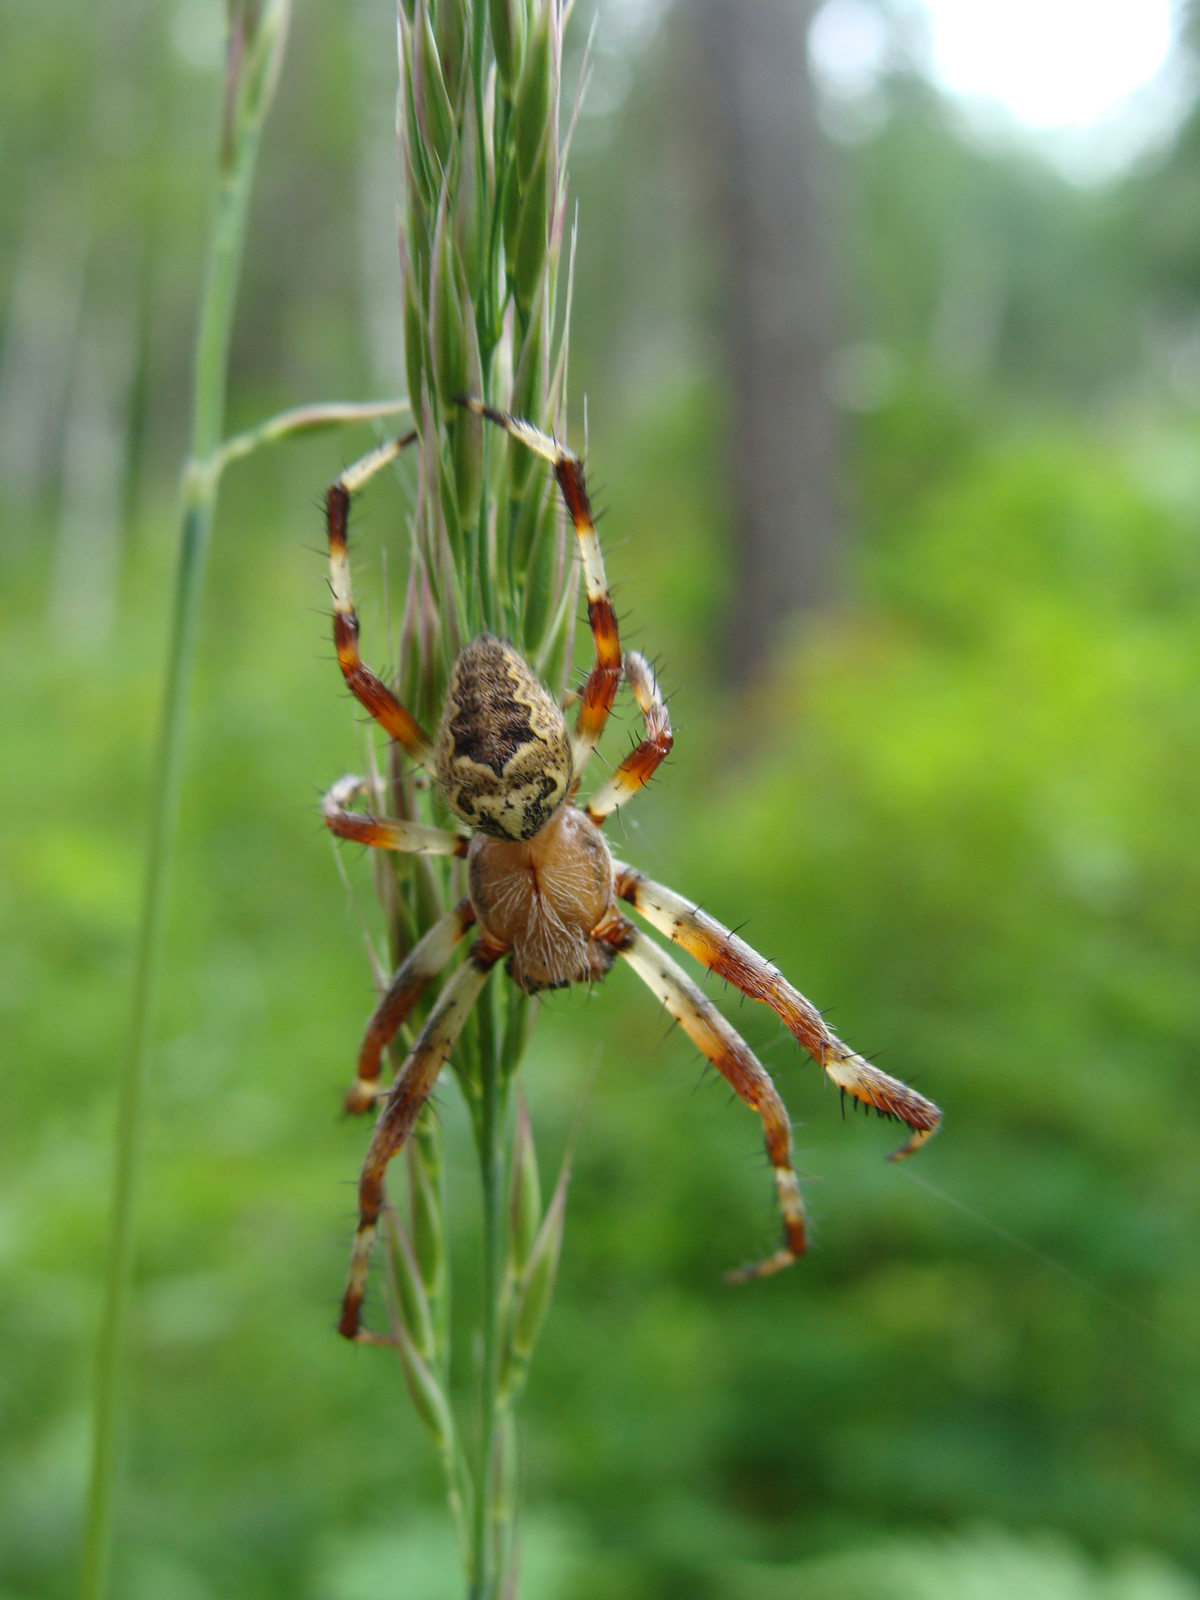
{"x":958,"y":807}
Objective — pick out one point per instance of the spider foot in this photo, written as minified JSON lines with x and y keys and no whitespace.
{"x":870,"y":1087}
{"x":761,"y":1269}
{"x":795,"y":1231}
{"x":365,"y":1336}
{"x":919,"y":1137}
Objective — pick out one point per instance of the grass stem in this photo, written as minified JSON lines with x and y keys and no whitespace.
{"x":199,"y":494}
{"x":486,"y":1562}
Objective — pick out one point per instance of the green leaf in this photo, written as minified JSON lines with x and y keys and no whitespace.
{"x":432,"y":104}
{"x":412,"y":1302}
{"x":525,"y":1193}
{"x":508,"y":38}
{"x":447,"y":323}
{"x":414,"y":340}
{"x":429,"y":1237}
{"x":535,"y":98}
{"x":451,"y":26}
{"x":469,"y":233}
{"x":528,"y":268}
{"x":535,"y":1288}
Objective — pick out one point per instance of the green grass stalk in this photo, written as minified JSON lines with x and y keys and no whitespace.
{"x":254,"y":67}
{"x":481,"y":232}
{"x":486,"y":1556}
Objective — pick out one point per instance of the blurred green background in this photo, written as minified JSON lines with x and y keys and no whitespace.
{"x":959,"y":806}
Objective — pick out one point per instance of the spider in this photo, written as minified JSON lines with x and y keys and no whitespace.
{"x":543,"y":890}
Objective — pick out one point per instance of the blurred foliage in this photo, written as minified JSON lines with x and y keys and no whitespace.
{"x":960,"y":812}
{"x":983,"y":1566}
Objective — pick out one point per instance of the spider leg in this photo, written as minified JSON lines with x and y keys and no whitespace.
{"x":733,"y":959}
{"x":600,"y":690}
{"x":369,"y":690}
{"x":422,"y":963}
{"x":384,"y":833}
{"x":733,"y":1059}
{"x":640,"y":765}
{"x":413,"y":1086}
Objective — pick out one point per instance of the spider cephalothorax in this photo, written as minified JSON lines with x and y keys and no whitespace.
{"x":542,"y":887}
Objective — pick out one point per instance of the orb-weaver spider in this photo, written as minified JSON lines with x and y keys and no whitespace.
{"x":543,"y":889}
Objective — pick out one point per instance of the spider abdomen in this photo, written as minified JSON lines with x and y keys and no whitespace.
{"x":503,"y":750}
{"x":543,"y":897}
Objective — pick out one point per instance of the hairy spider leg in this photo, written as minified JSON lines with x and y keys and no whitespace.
{"x":642,"y":762}
{"x":369,"y":690}
{"x":733,"y":959}
{"x":741,"y":1069}
{"x":384,"y":833}
{"x":413,"y":976}
{"x":600,"y":690}
{"x":412,"y":1087}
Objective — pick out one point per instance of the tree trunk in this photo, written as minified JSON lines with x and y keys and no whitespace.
{"x":762,"y":148}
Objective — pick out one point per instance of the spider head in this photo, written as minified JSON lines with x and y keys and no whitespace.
{"x":503,"y":750}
